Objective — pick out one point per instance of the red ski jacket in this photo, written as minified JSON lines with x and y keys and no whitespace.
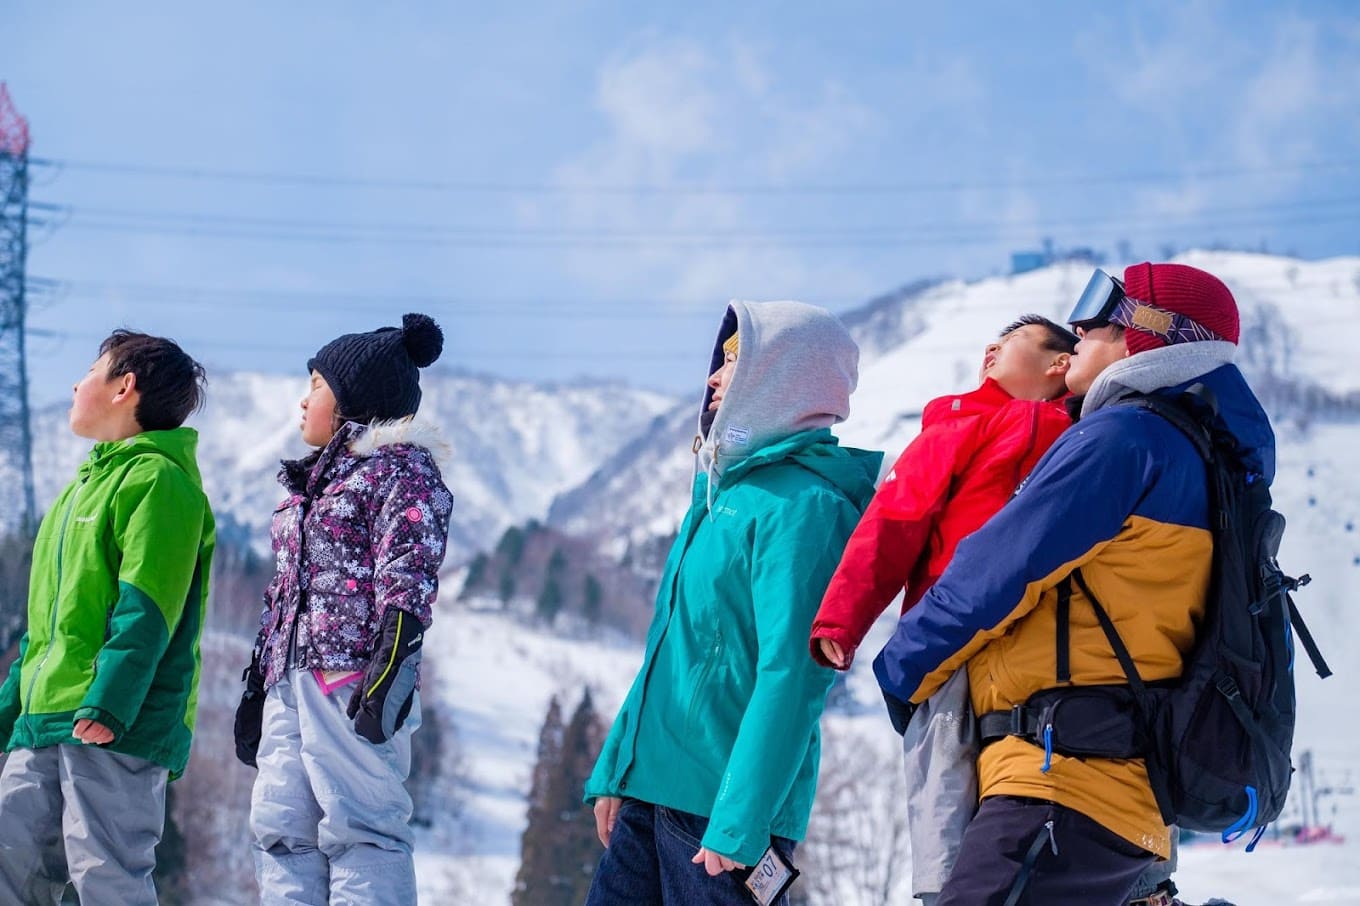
{"x":972,"y":453}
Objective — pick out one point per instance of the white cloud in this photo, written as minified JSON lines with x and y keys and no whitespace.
{"x":680,"y":114}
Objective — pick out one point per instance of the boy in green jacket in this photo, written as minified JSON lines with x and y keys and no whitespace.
{"x":98,"y":710}
{"x":712,"y":762}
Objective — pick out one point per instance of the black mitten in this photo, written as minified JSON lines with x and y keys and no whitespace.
{"x":250,"y":713}
{"x":899,"y":712}
{"x":382,"y":700}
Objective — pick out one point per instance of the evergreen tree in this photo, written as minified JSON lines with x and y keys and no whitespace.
{"x":536,"y":844}
{"x":560,"y":849}
{"x":592,"y":599}
{"x":476,"y":573}
{"x":507,"y":586}
{"x":511,"y":545}
{"x":550,"y":599}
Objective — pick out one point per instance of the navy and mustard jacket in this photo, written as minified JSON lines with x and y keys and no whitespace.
{"x":1122,"y":494}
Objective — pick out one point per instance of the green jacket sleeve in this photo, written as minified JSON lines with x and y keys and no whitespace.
{"x":11,"y":702}
{"x":792,"y":561}
{"x":158,"y":515}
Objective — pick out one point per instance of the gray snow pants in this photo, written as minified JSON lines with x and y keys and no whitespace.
{"x":329,"y":813}
{"x":940,"y":751}
{"x":81,"y":814}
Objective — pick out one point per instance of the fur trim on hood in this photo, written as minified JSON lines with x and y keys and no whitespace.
{"x":407,"y":430}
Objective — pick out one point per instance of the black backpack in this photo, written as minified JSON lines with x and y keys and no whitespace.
{"x":1216,"y":741}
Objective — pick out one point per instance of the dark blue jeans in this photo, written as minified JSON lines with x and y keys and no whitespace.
{"x":648,"y":863}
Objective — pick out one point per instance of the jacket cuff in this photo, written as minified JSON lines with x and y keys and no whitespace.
{"x":100,"y":716}
{"x":738,"y":849}
{"x":837,"y":634}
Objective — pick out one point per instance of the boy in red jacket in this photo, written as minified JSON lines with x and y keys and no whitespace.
{"x":973,"y":451}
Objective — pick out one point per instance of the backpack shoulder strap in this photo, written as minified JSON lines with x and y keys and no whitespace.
{"x":1177,"y":410}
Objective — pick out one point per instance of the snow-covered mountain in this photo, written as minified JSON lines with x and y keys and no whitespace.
{"x":927,"y":341}
{"x":514,"y":446}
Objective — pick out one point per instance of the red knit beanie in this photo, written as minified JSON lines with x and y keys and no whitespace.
{"x":1182,"y":289}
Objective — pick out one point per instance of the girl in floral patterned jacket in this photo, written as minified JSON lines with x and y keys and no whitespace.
{"x":331,"y":694}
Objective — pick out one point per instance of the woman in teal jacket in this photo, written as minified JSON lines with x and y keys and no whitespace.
{"x":713,"y":757}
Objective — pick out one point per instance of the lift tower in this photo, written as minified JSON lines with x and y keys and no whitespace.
{"x":17,"y":508}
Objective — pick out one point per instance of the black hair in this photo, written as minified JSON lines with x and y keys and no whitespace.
{"x":1056,"y":337}
{"x":170,"y":384}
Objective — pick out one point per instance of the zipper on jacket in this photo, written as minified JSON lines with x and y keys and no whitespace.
{"x":290,"y":657}
{"x":1029,"y":447}
{"x":713,"y":651}
{"x":649,"y":660}
{"x":56,"y":596}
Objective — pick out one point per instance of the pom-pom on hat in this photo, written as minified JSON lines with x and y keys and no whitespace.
{"x":1184,"y":290}
{"x":376,"y":375}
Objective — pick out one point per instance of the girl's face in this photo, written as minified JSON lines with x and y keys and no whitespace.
{"x":720,"y":379}
{"x":318,"y":413}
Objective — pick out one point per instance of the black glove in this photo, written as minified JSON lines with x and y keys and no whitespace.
{"x":899,"y":712}
{"x":383,"y":698}
{"x":250,"y":713}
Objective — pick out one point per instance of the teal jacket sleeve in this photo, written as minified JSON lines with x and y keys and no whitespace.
{"x":11,"y":703}
{"x":158,"y":514}
{"x":792,"y":561}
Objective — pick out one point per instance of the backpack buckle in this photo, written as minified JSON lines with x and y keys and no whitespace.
{"x":1018,"y":720}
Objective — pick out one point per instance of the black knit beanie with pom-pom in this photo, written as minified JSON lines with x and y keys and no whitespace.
{"x":376,"y":375}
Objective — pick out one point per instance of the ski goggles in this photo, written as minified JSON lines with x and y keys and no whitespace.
{"x":1105,"y":302}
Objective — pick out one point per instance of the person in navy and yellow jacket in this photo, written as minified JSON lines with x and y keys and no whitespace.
{"x":712,"y":760}
{"x":1123,"y":496}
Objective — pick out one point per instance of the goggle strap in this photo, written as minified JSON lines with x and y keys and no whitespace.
{"x":1172,"y":327}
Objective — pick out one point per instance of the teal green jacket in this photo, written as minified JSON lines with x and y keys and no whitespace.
{"x":116,"y":604}
{"x":722,"y":720}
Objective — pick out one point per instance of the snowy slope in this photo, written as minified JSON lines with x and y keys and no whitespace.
{"x":514,"y":446}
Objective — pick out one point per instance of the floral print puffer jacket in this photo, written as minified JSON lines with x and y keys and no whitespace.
{"x":363,"y":530}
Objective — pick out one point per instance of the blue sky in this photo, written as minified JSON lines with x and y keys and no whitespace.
{"x":576,"y":189}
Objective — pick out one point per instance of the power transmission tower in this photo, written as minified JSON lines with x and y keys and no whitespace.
{"x":17,"y":507}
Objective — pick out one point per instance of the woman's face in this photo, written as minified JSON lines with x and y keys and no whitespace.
{"x":318,"y":413}
{"x":720,"y":379}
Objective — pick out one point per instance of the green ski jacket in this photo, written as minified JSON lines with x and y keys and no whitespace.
{"x":116,"y":604}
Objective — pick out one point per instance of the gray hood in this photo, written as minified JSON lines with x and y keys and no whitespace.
{"x":796,"y":368}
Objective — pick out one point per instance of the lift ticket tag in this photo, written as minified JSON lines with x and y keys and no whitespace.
{"x":769,"y":878}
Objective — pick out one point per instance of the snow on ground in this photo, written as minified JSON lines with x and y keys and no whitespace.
{"x":496,"y":676}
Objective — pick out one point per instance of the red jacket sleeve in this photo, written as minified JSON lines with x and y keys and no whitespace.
{"x":892,"y":535}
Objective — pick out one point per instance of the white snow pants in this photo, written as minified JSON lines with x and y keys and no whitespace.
{"x":329,"y":813}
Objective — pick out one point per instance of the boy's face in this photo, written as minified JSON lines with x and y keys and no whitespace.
{"x":318,"y":412}
{"x":1023,"y":367}
{"x":1099,"y":349}
{"x":104,"y":408}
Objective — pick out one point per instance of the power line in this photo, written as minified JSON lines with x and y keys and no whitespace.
{"x":476,"y":353}
{"x":491,"y":187}
{"x":1122,"y":228}
{"x":347,"y":300}
{"x":377,"y":229}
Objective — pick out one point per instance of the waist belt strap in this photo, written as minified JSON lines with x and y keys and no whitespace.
{"x":1018,"y":721}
